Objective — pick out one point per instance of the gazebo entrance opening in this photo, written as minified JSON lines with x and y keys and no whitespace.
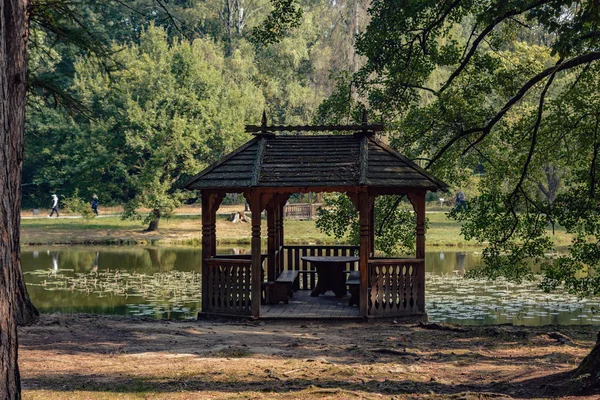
{"x":267,"y":170}
{"x":297,"y":286}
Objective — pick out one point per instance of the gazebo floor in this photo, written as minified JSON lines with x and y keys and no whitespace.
{"x":304,"y":306}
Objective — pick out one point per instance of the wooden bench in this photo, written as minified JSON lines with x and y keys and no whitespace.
{"x":353,"y":283}
{"x":274,"y":293}
{"x":288,"y":279}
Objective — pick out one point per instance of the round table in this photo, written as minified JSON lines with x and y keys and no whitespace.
{"x":331,"y":273}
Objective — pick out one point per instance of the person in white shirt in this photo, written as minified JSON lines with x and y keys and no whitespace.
{"x":54,"y":206}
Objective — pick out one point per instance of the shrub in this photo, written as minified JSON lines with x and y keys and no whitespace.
{"x":77,"y":205}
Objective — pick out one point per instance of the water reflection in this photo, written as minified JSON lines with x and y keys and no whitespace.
{"x":54,"y":262}
{"x":157,"y":282}
{"x":165,"y":283}
{"x":95,"y":264}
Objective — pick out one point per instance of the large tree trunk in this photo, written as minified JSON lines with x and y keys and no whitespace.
{"x":590,"y":366}
{"x":13,"y":78}
{"x":154,"y":223}
{"x":26,"y":313}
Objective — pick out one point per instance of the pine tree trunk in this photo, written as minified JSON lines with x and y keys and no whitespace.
{"x":153,"y":227}
{"x":14,"y":31}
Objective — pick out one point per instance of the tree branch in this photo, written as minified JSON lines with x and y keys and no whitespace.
{"x":536,"y":127}
{"x":583,"y":59}
{"x":485,"y":130}
{"x":389,"y":214}
{"x":170,"y":17}
{"x":482,"y":36}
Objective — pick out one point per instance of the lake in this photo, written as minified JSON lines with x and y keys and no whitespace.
{"x":163,"y":282}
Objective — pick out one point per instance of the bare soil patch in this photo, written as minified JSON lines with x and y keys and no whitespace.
{"x":96,"y":357}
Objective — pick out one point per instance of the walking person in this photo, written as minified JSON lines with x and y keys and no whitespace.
{"x":54,"y":206}
{"x":459,"y":201}
{"x":95,"y":204}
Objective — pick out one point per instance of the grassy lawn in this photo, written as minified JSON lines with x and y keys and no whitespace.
{"x":185,"y":227}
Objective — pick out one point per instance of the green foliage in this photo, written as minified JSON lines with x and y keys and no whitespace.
{"x":340,"y":107}
{"x":171,"y":109}
{"x":338,"y":217}
{"x":81,"y":105}
{"x":506,"y":89}
{"x":285,"y":16}
{"x":394,"y":223}
{"x":76,"y":205}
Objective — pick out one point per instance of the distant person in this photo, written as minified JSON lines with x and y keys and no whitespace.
{"x":54,"y":206}
{"x":459,"y":201}
{"x":95,"y":204}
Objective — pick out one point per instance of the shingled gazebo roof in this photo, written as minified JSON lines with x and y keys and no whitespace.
{"x":317,"y":161}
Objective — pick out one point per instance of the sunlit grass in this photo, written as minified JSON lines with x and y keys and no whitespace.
{"x":187,"y":229}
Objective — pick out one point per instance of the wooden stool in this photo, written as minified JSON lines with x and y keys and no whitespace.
{"x":353,"y":283}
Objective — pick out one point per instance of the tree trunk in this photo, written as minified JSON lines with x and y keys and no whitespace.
{"x":25,"y":313}
{"x":590,"y":366}
{"x":239,"y":4}
{"x":153,"y":227}
{"x":14,"y":31}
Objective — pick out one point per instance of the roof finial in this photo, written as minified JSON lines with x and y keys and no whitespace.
{"x":366,"y":130}
{"x":263,"y":121}
{"x":263,"y":129}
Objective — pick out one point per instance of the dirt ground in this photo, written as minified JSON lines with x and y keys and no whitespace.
{"x":106,"y":357}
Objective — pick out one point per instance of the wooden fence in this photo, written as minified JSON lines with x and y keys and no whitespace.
{"x":301,"y":210}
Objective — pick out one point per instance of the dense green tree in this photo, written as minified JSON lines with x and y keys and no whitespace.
{"x":508,"y":88}
{"x":171,"y":109}
{"x":293,"y":75}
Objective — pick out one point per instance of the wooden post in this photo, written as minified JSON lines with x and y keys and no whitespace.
{"x":418,"y":202}
{"x":372,"y":229}
{"x":277,"y":244}
{"x":364,"y":208}
{"x":278,"y":204}
{"x":271,"y":240}
{"x":210,"y":204}
{"x":282,"y":200}
{"x":216,"y":203}
{"x":256,"y":206}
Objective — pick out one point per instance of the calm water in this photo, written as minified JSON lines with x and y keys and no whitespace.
{"x":166,"y":283}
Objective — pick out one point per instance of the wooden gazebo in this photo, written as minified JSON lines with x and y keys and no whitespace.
{"x":271,"y":167}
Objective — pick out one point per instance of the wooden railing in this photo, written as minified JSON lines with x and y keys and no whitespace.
{"x":300,"y":211}
{"x":396,"y":287}
{"x":229,"y":286}
{"x":292,"y":260}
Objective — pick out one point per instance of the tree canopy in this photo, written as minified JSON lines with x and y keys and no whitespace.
{"x":169,"y":110}
{"x":104,"y":111}
{"x":507,"y":90}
